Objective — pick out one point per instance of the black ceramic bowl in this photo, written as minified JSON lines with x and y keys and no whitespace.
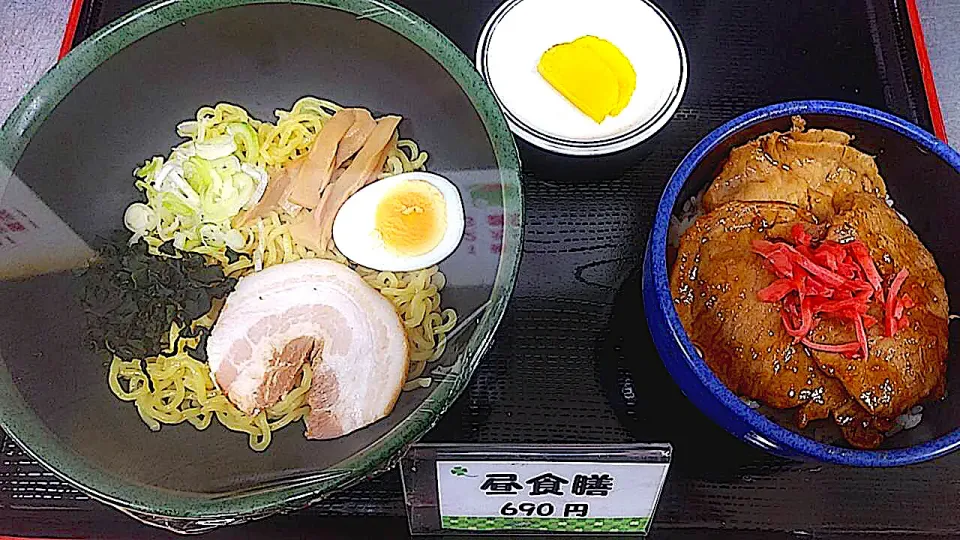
{"x":72,"y":144}
{"x":922,"y":176}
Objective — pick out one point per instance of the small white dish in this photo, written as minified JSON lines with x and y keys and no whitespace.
{"x":521,"y":30}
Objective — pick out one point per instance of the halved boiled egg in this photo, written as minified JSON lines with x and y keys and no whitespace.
{"x":406,"y":222}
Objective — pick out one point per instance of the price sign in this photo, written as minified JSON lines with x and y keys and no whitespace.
{"x":564,"y":490}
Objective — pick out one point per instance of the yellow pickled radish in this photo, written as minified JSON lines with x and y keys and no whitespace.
{"x":577,"y":72}
{"x":621,"y":66}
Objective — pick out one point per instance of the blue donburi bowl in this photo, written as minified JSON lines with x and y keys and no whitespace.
{"x":922,"y":176}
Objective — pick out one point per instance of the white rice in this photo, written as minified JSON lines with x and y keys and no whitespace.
{"x":689,"y":213}
{"x":889,"y":202}
{"x":908,"y":420}
{"x":750,"y":403}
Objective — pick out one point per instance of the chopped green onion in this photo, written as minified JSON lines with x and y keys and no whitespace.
{"x":246,"y":137}
{"x":188,"y":129}
{"x":207,"y":180}
{"x":140,"y":218}
{"x":216,"y":148}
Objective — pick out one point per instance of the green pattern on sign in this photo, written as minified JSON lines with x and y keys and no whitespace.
{"x":573,"y":525}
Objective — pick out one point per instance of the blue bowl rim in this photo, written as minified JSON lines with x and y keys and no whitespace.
{"x":763,"y":427}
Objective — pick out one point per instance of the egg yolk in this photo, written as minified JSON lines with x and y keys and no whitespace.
{"x":411,"y":218}
{"x":591,"y":73}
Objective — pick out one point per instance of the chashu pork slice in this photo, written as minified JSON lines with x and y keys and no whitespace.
{"x":311,"y":311}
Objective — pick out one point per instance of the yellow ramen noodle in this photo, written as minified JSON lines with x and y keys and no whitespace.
{"x":182,"y":389}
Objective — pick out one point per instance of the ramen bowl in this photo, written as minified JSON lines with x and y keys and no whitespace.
{"x":922,"y":175}
{"x":67,"y":153}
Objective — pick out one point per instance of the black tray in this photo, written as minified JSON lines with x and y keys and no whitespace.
{"x":572,"y":361}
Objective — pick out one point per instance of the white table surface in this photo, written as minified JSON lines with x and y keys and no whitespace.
{"x":30,"y":36}
{"x":940,"y":20}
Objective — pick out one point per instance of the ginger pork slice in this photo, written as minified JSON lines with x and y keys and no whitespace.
{"x":714,"y":283}
{"x":909,"y":366}
{"x":809,"y":168}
